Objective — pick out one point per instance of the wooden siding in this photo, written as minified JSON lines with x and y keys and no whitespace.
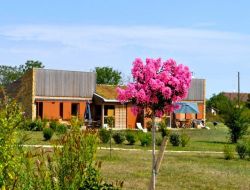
{"x":197,"y":90}
{"x":57,"y":83}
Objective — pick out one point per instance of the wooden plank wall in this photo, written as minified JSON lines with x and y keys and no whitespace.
{"x":58,"y":83}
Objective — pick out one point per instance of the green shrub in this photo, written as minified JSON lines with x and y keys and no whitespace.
{"x":241,"y":149}
{"x":175,"y":139}
{"x":104,"y":135}
{"x":61,"y":128}
{"x":47,"y":133}
{"x":36,"y":125}
{"x":131,"y":137}
{"x":119,"y":137}
{"x":184,"y":139}
{"x":163,"y":129}
{"x":228,"y":152}
{"x":158,"y":140}
{"x":145,"y":139}
{"x":53,"y":125}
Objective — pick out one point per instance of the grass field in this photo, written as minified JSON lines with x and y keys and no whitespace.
{"x":178,"y":170}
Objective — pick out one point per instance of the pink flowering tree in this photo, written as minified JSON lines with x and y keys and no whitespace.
{"x":158,"y":85}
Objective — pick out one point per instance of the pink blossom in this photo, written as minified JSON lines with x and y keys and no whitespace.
{"x":157,"y":85}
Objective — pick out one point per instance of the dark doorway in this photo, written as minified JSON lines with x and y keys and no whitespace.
{"x":61,"y":110}
{"x":74,"y":109}
{"x":39,"y":110}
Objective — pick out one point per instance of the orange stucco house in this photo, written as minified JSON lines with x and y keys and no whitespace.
{"x":58,"y":94}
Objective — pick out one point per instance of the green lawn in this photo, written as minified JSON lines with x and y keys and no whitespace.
{"x":178,"y":170}
{"x":201,"y":139}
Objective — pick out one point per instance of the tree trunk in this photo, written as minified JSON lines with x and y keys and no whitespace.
{"x":153,"y":175}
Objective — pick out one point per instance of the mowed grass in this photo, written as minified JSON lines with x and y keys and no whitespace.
{"x":178,"y":170}
{"x":201,"y":139}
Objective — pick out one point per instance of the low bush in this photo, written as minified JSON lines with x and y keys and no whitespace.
{"x":61,"y":128}
{"x":119,"y":137}
{"x":184,"y":139}
{"x":145,"y":139}
{"x":48,"y":133}
{"x":53,"y":125}
{"x":104,"y":135}
{"x":175,"y":139}
{"x":228,"y":152}
{"x":158,"y":140}
{"x":163,"y":129}
{"x":36,"y":125}
{"x":241,"y":149}
{"x":131,"y":137}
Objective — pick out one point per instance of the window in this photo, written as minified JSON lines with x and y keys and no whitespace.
{"x":75,"y":109}
{"x":61,"y":110}
{"x":39,"y":110}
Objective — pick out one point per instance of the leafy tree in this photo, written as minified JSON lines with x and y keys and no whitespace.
{"x":219,"y":102}
{"x":106,"y":75}
{"x":9,"y":74}
{"x":237,"y":120}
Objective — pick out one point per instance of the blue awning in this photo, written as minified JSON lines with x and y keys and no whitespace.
{"x":187,"y":107}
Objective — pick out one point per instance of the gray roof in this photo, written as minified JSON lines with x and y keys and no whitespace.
{"x":59,"y":83}
{"x":197,"y":90}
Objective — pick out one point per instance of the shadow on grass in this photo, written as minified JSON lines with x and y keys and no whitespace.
{"x":214,"y":142}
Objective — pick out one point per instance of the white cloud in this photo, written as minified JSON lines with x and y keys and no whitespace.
{"x":111,"y":38}
{"x":209,"y":53}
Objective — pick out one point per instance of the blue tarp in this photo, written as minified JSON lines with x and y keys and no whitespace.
{"x":88,"y":113}
{"x":187,"y":107}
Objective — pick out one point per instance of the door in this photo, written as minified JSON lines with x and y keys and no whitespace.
{"x":120,"y":117}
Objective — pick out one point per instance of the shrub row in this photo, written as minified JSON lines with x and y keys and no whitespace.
{"x":54,"y":127}
{"x":119,"y":137}
{"x":176,"y":139}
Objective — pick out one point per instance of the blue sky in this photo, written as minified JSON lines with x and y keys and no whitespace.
{"x":211,"y":37}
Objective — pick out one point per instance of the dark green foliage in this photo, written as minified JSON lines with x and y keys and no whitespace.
{"x":175,"y":139}
{"x":104,"y":135}
{"x":184,"y":139}
{"x":241,"y":149}
{"x":219,"y":102}
{"x":145,"y":139}
{"x":53,"y":125}
{"x":36,"y":125}
{"x":48,"y":133}
{"x":10,"y":74}
{"x":163,"y":129}
{"x":119,"y":137}
{"x":237,"y":120}
{"x":158,"y":140}
{"x":61,"y":128}
{"x":106,"y":75}
{"x":131,"y":137}
{"x":228,"y":152}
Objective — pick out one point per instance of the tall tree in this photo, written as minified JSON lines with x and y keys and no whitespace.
{"x":219,"y":101}
{"x":237,"y":120}
{"x":9,"y":74}
{"x":107,"y":75}
{"x":158,"y":86}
